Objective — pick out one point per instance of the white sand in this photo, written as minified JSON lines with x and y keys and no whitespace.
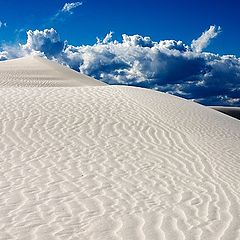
{"x":112,"y":162}
{"x":39,"y":72}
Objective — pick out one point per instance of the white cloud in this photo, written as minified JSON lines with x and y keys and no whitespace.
{"x":46,"y":41}
{"x":106,"y":39}
{"x":203,"y":41}
{"x":137,"y":40}
{"x":66,"y":10}
{"x":68,"y":7}
{"x":169,"y":65}
{"x":3,"y":55}
{"x":3,"y":24}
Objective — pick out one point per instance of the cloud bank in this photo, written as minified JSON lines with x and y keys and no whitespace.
{"x":168,"y":65}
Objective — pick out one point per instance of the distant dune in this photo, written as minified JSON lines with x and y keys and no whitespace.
{"x":231,"y":111}
{"x":85,"y":160}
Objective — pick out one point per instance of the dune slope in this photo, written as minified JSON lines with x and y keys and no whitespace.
{"x":34,"y":71}
{"x":115,"y":162}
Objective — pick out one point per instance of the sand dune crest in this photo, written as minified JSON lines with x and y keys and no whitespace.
{"x":34,"y":71}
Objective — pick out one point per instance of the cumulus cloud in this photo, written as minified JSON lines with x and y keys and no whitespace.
{"x":137,"y":40}
{"x":68,"y":7}
{"x":204,"y":40}
{"x":168,"y":65}
{"x":46,"y":41}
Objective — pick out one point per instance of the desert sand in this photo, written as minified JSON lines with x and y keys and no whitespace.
{"x":85,"y":160}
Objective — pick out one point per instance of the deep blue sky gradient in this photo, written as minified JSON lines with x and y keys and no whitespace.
{"x":179,"y":20}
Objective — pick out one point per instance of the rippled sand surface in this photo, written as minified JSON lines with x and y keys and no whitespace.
{"x":83,"y":160}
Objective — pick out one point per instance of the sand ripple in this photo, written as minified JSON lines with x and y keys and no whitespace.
{"x":116,"y":163}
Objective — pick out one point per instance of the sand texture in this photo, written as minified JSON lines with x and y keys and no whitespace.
{"x":112,"y":162}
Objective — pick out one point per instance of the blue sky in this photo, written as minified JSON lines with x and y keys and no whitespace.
{"x":180,"y":20}
{"x":186,"y":48}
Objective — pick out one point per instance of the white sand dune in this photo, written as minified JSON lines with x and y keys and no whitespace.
{"x":112,"y":162}
{"x":34,"y":71}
